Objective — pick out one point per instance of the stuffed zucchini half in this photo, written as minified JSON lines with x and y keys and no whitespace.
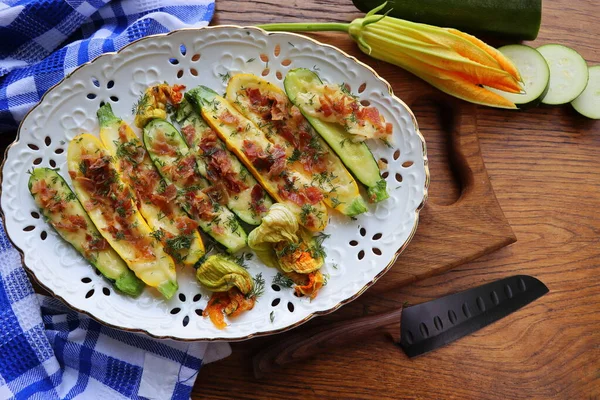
{"x":154,"y":198}
{"x":246,"y":198}
{"x":205,"y":203}
{"x":343,"y":123}
{"x":62,"y":209}
{"x":269,"y":108}
{"x":266,"y":161}
{"x":108,"y":202}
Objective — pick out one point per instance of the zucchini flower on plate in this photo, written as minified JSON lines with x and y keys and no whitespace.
{"x":450,"y":60}
{"x":280,"y":242}
{"x":234,"y":289}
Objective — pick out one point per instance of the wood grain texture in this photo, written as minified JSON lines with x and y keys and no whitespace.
{"x":543,"y":166}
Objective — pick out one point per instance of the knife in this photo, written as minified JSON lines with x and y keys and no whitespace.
{"x":415,"y":329}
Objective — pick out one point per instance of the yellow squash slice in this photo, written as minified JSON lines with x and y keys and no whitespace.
{"x":109,"y":204}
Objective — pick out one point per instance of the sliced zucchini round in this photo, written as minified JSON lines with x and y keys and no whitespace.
{"x":588,"y":102}
{"x":534,"y":71}
{"x":568,"y":73}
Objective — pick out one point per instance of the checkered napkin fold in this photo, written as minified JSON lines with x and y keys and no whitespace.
{"x":48,"y":351}
{"x":42,"y":41}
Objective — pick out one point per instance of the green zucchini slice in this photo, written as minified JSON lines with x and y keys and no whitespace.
{"x":246,"y":198}
{"x":202,"y":201}
{"x":62,"y":209}
{"x":356,"y":156}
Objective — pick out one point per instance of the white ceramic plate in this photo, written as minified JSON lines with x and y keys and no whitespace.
{"x":358,"y":251}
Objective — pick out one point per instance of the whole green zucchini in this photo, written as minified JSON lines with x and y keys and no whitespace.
{"x":515,"y":19}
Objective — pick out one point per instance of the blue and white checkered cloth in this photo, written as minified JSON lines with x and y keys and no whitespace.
{"x":48,"y":351}
{"x":44,"y":40}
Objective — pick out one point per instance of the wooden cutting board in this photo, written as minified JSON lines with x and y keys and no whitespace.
{"x":463,"y":228}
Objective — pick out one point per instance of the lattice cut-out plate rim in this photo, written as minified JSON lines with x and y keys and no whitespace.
{"x":375,"y":239}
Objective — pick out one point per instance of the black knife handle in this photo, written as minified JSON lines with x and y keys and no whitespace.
{"x":305,"y":343}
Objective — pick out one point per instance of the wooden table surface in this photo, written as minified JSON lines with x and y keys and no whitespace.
{"x":544,"y":167}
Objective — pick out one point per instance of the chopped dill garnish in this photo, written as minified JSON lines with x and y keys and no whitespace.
{"x":272,"y":316}
{"x":335,"y":202}
{"x":232,"y":223}
{"x":317,"y":251}
{"x":127,"y":150}
{"x":282,"y":281}
{"x":345,"y":88}
{"x":251,"y":60}
{"x":307,"y":209}
{"x":83,"y":168}
{"x":259,"y":286}
{"x":295,"y":156}
{"x":158,"y":235}
{"x":71,"y":197}
{"x":225,"y":77}
{"x":141,"y":104}
{"x":241,"y":259}
{"x":179,"y":242}
{"x":343,"y":142}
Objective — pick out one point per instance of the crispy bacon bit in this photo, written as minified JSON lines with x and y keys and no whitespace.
{"x":48,"y":197}
{"x":200,"y":205}
{"x":279,"y":162}
{"x":273,"y":161}
{"x":231,"y":303}
{"x":95,"y":244}
{"x":123,"y":132}
{"x":326,"y":109}
{"x":170,"y":192}
{"x":313,"y":194}
{"x":291,"y":124}
{"x":218,"y":165}
{"x":189,"y":132}
{"x":228,"y":118}
{"x":278,"y":111}
{"x":185,"y":225}
{"x":208,"y":142}
{"x":161,"y":147}
{"x":217,"y":193}
{"x":309,"y":195}
{"x":186,"y":168}
{"x":71,"y":223}
{"x":93,"y":162}
{"x":257,"y":199}
{"x":370,"y":114}
{"x":256,"y":98}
